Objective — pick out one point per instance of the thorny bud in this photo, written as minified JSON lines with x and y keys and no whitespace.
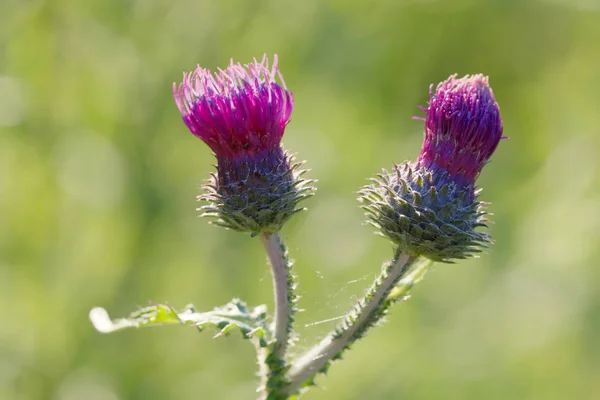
{"x":429,"y":208}
{"x":241,"y":114}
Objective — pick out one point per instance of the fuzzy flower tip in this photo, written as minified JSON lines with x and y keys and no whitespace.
{"x":238,"y":112}
{"x":241,"y":113}
{"x":462,"y":128}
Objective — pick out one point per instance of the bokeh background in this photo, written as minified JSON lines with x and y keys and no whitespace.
{"x":98,"y":177}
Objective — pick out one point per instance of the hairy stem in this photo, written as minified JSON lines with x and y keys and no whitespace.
{"x":273,"y":379}
{"x":285,"y":297}
{"x":365,"y":314}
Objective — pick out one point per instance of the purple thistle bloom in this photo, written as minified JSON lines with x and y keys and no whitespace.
{"x":430,"y":208}
{"x":462,"y":128}
{"x":240,"y":111}
{"x":241,"y":114}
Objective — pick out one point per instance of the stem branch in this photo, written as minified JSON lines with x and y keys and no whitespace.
{"x":363,"y":316}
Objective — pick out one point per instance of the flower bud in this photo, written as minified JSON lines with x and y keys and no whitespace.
{"x":241,"y":114}
{"x":429,"y":208}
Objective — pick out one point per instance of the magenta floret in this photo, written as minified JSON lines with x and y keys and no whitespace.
{"x":240,"y":111}
{"x":462,"y":128}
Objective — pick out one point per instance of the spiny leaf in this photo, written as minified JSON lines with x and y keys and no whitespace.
{"x":234,"y":315}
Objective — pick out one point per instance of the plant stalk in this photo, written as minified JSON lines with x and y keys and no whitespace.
{"x":365,"y":314}
{"x":283,"y":285}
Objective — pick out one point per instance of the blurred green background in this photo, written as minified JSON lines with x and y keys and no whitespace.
{"x":98,"y":177}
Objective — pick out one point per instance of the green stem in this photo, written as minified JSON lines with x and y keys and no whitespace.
{"x":285,"y":306}
{"x":284,"y":286}
{"x":388,"y":288}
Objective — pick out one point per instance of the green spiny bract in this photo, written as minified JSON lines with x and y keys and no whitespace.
{"x":426,"y":214}
{"x":256,"y":194}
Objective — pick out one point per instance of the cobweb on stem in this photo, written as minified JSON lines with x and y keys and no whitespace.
{"x":340,"y":295}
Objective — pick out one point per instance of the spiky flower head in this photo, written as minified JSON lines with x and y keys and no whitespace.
{"x":241,"y":114}
{"x":429,"y":207}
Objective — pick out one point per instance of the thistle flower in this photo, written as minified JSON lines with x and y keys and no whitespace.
{"x":429,"y":207}
{"x":462,"y":128}
{"x":241,"y":114}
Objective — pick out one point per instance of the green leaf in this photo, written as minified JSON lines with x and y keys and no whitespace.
{"x":234,"y":315}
